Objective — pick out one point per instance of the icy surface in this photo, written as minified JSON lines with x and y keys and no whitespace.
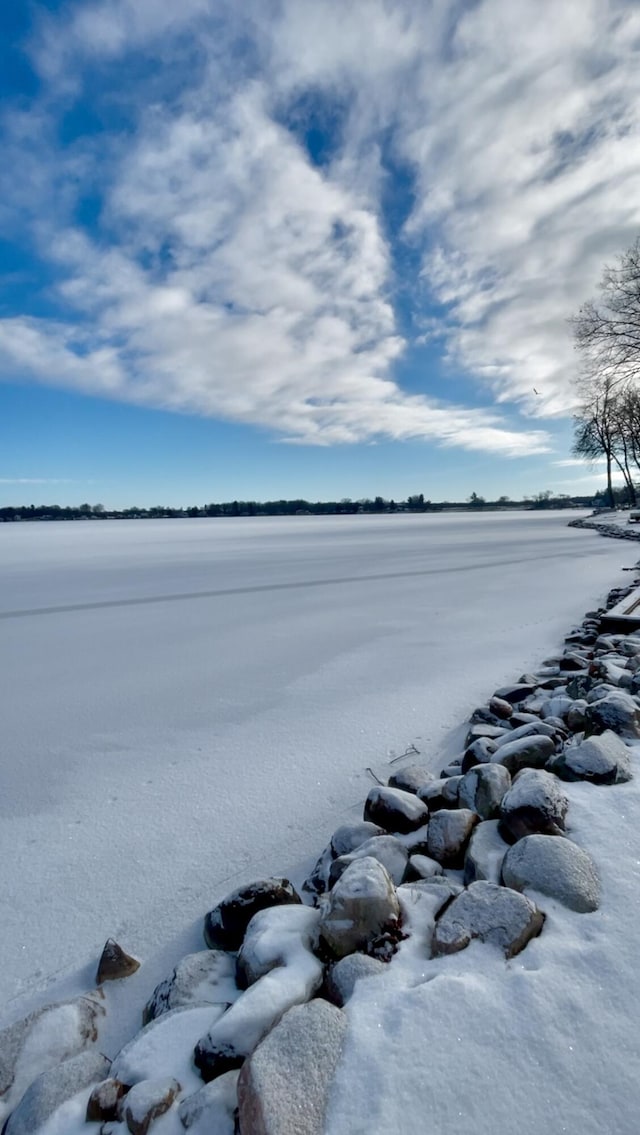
{"x":187,"y":705}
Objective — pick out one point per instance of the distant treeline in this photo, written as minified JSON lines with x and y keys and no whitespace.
{"x":297,"y":507}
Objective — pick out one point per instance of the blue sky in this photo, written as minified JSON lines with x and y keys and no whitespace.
{"x":304,"y":248}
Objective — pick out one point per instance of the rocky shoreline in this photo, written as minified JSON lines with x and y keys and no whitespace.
{"x":246,"y":1035}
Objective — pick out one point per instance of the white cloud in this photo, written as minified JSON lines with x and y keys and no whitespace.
{"x":233,"y":278}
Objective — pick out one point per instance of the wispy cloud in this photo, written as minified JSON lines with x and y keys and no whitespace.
{"x":36,"y":481}
{"x":230,"y":274}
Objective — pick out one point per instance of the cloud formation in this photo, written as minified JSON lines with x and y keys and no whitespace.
{"x":222,"y":236}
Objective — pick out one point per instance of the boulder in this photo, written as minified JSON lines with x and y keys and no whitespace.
{"x":602,"y":759}
{"x":534,"y":728}
{"x":53,"y":1088}
{"x":387,"y":849}
{"x":557,"y":706}
{"x":114,"y":963}
{"x":483,"y":716}
{"x":437,"y":795}
{"x":271,"y":936}
{"x":395,"y":810}
{"x":501,"y":707}
{"x":516,"y":694}
{"x":411,"y":778}
{"x":361,"y":907}
{"x":617,"y":711}
{"x":493,"y":914}
{"x":422,"y":867}
{"x":147,"y":1101}
{"x":479,"y":752}
{"x":485,"y":853}
{"x":103,"y":1103}
{"x":343,"y":976}
{"x":283,"y":1089}
{"x":534,"y":803}
{"x":205,"y":978}
{"x":526,"y":752}
{"x":449,"y":834}
{"x":344,"y":840}
{"x":213,"y":1108}
{"x":576,"y":717}
{"x":483,"y":788}
{"x":555,"y":867}
{"x":491,"y":732}
{"x":155,"y":1051}
{"x":224,"y":926}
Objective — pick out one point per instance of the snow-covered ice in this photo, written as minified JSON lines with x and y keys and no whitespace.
{"x":190,"y":704}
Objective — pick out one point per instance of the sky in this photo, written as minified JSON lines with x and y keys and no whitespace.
{"x":308,"y":248}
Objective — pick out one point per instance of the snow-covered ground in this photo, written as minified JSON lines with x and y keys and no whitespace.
{"x":189,"y":704}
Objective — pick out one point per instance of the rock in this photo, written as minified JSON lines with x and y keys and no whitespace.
{"x":603,"y":759}
{"x":557,"y":706}
{"x":415,"y":842}
{"x":53,"y":1088}
{"x":103,"y":1102}
{"x":451,"y":770}
{"x":527,"y":752}
{"x":147,"y":1101}
{"x":483,"y":716}
{"x":276,"y":935}
{"x":360,"y":908}
{"x":573,"y":660}
{"x":224,"y":926}
{"x":485,"y":853}
{"x":422,"y":867}
{"x":555,"y":867}
{"x":617,"y":711}
{"x":387,"y":849}
{"x":433,"y":795}
{"x":344,"y":840}
{"x":343,"y":976}
{"x":479,"y":752}
{"x":44,"y":1039}
{"x":579,"y":687}
{"x":115,"y":963}
{"x":205,"y":978}
{"x":501,"y":708}
{"x":153,"y":1052}
{"x":576,"y":717}
{"x":491,"y":732}
{"x":534,"y":803}
{"x":270,"y":938}
{"x":214,"y":1108}
{"x":283,"y":1089}
{"x":449,"y":834}
{"x":395,"y":810}
{"x":516,"y":694}
{"x":411,"y":778}
{"x":493,"y":914}
{"x":482,"y":789}
{"x":535,"y":728}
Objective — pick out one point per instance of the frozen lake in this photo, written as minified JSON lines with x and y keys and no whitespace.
{"x":186,"y":704}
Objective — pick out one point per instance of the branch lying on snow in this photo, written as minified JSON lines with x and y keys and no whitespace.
{"x":373,"y":775}
{"x":410,"y":751}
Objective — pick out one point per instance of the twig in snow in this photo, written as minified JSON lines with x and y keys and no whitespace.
{"x":409,"y":752}
{"x":372,"y":773}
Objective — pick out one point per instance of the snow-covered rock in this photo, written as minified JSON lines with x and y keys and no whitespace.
{"x":515,"y":694}
{"x":411,"y":778}
{"x":395,"y":810}
{"x":601,"y":759}
{"x":224,"y":926}
{"x":212,"y":1110}
{"x":449,"y":834}
{"x":557,"y":706}
{"x":555,"y":867}
{"x":53,"y":1088}
{"x":277,"y":942}
{"x":205,"y":978}
{"x":387,"y":849}
{"x":104,"y":1100}
{"x":525,"y":752}
{"x":617,"y":711}
{"x":479,"y":752}
{"x":362,"y":906}
{"x":437,"y":795}
{"x":343,"y":975}
{"x":423,"y":867}
{"x":534,"y":803}
{"x":485,"y":853}
{"x":162,"y":1049}
{"x":344,"y":840}
{"x":531,"y":728}
{"x":147,"y":1101}
{"x":491,"y":913}
{"x":501,"y":707}
{"x":283,"y":1088}
{"x":482,"y":789}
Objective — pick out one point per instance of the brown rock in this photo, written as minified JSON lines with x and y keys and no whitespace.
{"x":115,"y":963}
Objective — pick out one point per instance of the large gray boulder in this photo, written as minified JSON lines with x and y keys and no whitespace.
{"x":493,"y":914}
{"x":344,"y":975}
{"x":146,"y":1102}
{"x":479,"y":752}
{"x":53,"y":1088}
{"x":555,"y":867}
{"x":482,"y":789}
{"x":485,"y":853}
{"x":525,"y":752}
{"x":344,"y":840}
{"x":534,"y":803}
{"x":362,"y":906}
{"x":616,"y":711}
{"x":205,"y":978}
{"x":448,"y":835}
{"x":411,"y":778}
{"x":213,"y":1108}
{"x":224,"y":926}
{"x":387,"y":849}
{"x":283,"y":1089}
{"x":602,"y":759}
{"x":154,"y":1052}
{"x":270,"y":937}
{"x":395,"y":810}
